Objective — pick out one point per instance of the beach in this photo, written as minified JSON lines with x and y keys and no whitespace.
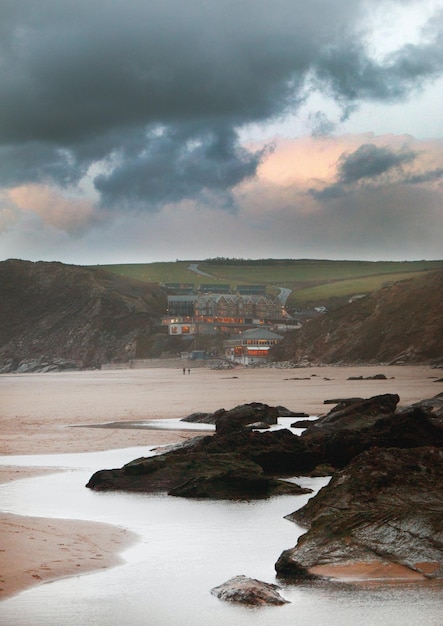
{"x":56,"y":413}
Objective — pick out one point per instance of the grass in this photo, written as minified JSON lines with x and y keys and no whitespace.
{"x":311,"y":281}
{"x":348,"y":288}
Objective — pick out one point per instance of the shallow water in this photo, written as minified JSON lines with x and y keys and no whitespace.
{"x":187,"y":547}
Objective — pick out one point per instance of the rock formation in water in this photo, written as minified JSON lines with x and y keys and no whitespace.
{"x":384,"y":508}
{"x":401,"y":323}
{"x":55,"y":316}
{"x":194,"y":475}
{"x":235,"y":461}
{"x":243,"y":415}
{"x":249,"y":591}
{"x":353,"y":427}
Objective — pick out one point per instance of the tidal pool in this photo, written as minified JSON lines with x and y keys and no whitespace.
{"x":185,"y":548}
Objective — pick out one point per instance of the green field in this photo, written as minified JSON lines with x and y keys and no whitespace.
{"x":311,"y":281}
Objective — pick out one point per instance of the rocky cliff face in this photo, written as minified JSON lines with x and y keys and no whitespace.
{"x":71,"y":316}
{"x":402,"y":323}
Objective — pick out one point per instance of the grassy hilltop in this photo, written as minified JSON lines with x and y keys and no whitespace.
{"x":311,"y":282}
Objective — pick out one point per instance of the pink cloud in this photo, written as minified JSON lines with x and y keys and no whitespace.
{"x":70,"y":214}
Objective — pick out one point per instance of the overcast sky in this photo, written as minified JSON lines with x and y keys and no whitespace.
{"x":154,"y":130}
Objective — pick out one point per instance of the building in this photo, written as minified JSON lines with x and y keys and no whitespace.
{"x":251,"y":290}
{"x":225,"y":308}
{"x":180,"y":288}
{"x":251,"y":347}
{"x":181,"y":306}
{"x":217,"y":288}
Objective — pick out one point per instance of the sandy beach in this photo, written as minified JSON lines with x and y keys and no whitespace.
{"x":54,"y":413}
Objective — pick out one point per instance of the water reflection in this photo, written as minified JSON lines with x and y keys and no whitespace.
{"x":186,"y":547}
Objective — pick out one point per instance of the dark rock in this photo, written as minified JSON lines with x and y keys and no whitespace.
{"x":211,"y":463}
{"x":198,"y":418}
{"x":244,"y":590}
{"x":286,"y":567}
{"x":375,"y":377}
{"x":344,"y":401}
{"x":284,"y":412}
{"x":258,"y":426}
{"x":342,"y":435}
{"x":322,"y":470}
{"x":238,"y":417}
{"x":385,"y":507}
{"x":279,"y":453}
{"x":302,"y":424}
{"x":355,"y":414}
{"x":433,"y":406}
{"x":194,"y":475}
{"x":244,"y":412}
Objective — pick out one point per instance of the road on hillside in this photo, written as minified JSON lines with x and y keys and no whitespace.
{"x":194,"y":268}
{"x":284,"y":294}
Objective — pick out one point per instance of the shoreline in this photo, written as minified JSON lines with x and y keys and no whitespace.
{"x":55,"y":549}
{"x":36,"y":550}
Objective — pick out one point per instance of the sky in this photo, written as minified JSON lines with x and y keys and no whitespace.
{"x":135,"y":131}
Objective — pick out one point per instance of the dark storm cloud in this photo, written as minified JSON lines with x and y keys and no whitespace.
{"x":331,"y":192}
{"x":352,"y":75}
{"x":176,"y":164}
{"x":365,"y":165}
{"x":424,"y":177}
{"x":370,"y":161}
{"x":83,"y":82}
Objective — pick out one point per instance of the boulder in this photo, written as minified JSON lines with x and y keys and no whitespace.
{"x":238,"y":417}
{"x":198,"y":418}
{"x":385,"y":508}
{"x":249,"y":591}
{"x":356,"y":413}
{"x":284,"y":412}
{"x":244,"y":414}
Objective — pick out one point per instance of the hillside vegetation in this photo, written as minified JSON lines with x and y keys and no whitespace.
{"x":312,"y":282}
{"x":400,"y":323}
{"x":61,"y":316}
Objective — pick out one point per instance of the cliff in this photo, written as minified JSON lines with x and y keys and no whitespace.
{"x":57,"y":316}
{"x":401,"y":323}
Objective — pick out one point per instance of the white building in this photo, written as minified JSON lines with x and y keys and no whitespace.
{"x":251,"y":347}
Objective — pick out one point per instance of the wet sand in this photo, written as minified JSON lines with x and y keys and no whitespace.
{"x":35,"y":550}
{"x":52,"y":413}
